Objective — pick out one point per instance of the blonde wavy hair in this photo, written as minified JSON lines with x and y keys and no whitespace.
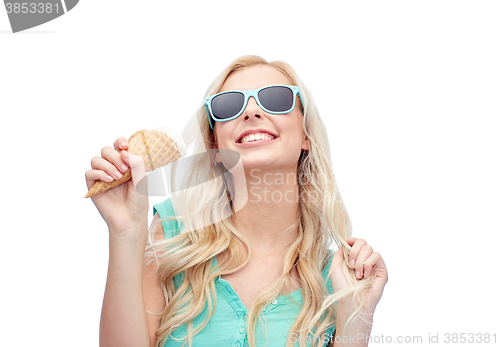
{"x":205,"y":213}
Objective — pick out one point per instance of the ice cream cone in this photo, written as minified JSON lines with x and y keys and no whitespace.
{"x":157,"y":148}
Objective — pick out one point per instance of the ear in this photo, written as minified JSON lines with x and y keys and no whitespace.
{"x":217,"y":158}
{"x":305,"y":143}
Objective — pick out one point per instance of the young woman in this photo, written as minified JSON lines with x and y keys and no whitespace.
{"x":245,"y":259}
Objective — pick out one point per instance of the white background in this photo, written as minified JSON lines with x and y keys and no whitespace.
{"x":409,"y":92}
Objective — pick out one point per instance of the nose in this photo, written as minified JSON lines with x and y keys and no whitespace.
{"x":252,"y":110}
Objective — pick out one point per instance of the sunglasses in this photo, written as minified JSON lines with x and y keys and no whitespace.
{"x":226,"y":106}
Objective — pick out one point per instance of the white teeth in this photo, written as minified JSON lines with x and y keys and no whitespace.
{"x":256,"y":137}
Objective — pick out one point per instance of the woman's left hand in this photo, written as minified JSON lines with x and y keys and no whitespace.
{"x":365,"y":262}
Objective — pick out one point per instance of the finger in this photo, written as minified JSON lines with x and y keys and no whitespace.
{"x":137,"y":167}
{"x":116,"y":159}
{"x":363,"y":255}
{"x":370,"y":264}
{"x":351,"y":241}
{"x":355,"y":249}
{"x":381,"y":270}
{"x":99,"y":163}
{"x":338,"y":257}
{"x":120,"y":143}
{"x":91,"y":176}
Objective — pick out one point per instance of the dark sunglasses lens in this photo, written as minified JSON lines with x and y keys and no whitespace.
{"x":276,"y":99}
{"x":227,"y":105}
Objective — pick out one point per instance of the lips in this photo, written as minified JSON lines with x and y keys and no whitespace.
{"x":256,"y":131}
{"x":256,"y":137}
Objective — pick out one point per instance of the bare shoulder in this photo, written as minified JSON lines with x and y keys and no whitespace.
{"x":154,"y":300}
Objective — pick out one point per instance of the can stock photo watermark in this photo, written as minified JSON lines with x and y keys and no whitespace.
{"x":29,"y":14}
{"x":464,"y":338}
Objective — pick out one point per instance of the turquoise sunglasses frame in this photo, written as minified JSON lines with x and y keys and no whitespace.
{"x":247,"y":94}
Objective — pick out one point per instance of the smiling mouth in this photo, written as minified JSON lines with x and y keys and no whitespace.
{"x":256,"y":138}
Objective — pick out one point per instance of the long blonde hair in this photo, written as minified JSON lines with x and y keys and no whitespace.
{"x":204,"y":213}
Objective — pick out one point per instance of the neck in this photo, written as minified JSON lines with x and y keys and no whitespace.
{"x":267,"y":209}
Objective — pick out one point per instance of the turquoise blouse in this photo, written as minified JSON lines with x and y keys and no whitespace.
{"x":227,"y":327}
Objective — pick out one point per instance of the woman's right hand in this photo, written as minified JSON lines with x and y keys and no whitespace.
{"x":122,"y":207}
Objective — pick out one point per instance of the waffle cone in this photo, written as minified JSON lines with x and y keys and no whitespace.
{"x":155,"y":147}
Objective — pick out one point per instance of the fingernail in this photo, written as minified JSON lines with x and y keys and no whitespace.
{"x":357,"y":274}
{"x":366,"y":273}
{"x":124,"y":168}
{"x":124,"y":144}
{"x":110,"y":179}
{"x":351,"y":262}
{"x":118,"y":175}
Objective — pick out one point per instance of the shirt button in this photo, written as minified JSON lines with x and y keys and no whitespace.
{"x":237,"y":345}
{"x":275,"y":302}
{"x":241,"y":330}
